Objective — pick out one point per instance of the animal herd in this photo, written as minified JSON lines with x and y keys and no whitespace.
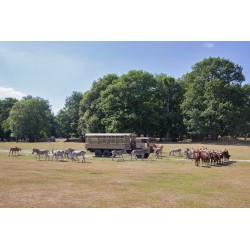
{"x":201,"y":155}
{"x":210,"y":156}
{"x":70,"y":153}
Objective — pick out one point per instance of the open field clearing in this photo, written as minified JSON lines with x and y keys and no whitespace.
{"x":171,"y":181}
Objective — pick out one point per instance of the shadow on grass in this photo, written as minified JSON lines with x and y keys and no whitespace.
{"x":15,"y":156}
{"x":80,"y":162}
{"x":224,"y":164}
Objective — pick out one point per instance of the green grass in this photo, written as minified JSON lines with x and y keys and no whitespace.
{"x":166,"y":182}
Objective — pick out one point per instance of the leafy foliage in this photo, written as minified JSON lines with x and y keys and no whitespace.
{"x":208,"y":101}
{"x":212,"y":100}
{"x":68,"y":117}
{"x":30,"y":118}
{"x":91,"y":112}
{"x":5,"y":108}
{"x":168,"y":96}
{"x":128,"y":105}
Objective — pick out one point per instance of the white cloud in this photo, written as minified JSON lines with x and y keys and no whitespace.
{"x":208,"y":45}
{"x":10,"y":92}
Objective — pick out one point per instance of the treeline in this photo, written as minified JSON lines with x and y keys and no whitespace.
{"x":205,"y":103}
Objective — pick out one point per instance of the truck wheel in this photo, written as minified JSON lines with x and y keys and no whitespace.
{"x":146,"y":156}
{"x":98,"y":153}
{"x":106,"y":153}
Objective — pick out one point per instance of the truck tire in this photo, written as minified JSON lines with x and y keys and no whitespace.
{"x":146,"y":156}
{"x":106,"y":153}
{"x":98,"y":153}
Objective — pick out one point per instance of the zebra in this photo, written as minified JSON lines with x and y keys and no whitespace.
{"x":175,"y":150}
{"x":57,"y":154}
{"x":41,"y":152}
{"x":138,"y":151}
{"x":188,"y":153}
{"x":77,"y":153}
{"x":120,"y":153}
{"x":68,"y":152}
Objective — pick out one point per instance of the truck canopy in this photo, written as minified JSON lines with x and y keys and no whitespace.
{"x":107,"y":141}
{"x":108,"y":134}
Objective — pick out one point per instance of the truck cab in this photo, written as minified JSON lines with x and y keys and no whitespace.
{"x":143,"y":142}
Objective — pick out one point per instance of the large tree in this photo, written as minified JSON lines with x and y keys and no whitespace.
{"x":243,"y":124}
{"x":68,"y":117}
{"x":31,"y":118}
{"x":128,"y":104}
{"x":212,"y":99}
{"x":91,"y":111}
{"x":168,"y":96}
{"x":134,"y":102}
{"x":5,"y":108}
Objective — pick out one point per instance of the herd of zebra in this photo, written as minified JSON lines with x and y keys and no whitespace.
{"x":70,"y":153}
{"x":199,"y":155}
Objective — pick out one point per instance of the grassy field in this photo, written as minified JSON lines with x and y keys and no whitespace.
{"x":100,"y":182}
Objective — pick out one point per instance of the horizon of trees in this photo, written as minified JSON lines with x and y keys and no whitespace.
{"x":207,"y":102}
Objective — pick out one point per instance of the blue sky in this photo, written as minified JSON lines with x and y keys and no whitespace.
{"x":53,"y":70}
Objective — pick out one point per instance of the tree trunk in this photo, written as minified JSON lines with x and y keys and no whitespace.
{"x":167,"y":135}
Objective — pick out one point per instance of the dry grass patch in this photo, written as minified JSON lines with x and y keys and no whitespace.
{"x":167,"y":182}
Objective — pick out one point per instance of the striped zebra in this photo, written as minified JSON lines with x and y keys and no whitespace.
{"x":41,"y":152}
{"x":137,"y":152}
{"x":68,"y":152}
{"x":58,"y":154}
{"x":77,"y":153}
{"x":175,"y":150}
{"x":120,"y":153}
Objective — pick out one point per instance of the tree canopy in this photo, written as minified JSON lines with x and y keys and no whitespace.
{"x":206,"y":102}
{"x":128,"y":104}
{"x":5,"y":108}
{"x":30,"y":118}
{"x":134,"y":102}
{"x":68,"y":117}
{"x":213,"y":98}
{"x":91,"y":111}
